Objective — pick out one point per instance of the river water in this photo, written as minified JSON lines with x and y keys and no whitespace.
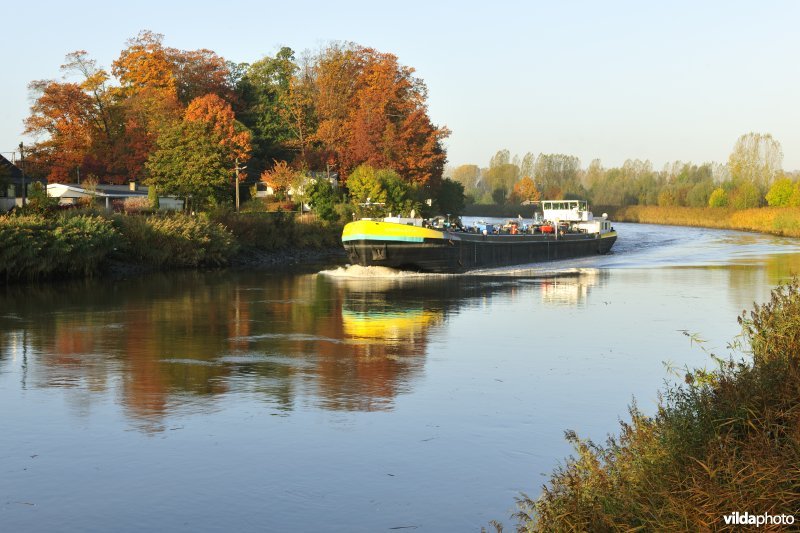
{"x":348,"y":399}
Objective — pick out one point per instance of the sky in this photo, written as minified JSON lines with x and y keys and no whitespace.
{"x":613,"y":80}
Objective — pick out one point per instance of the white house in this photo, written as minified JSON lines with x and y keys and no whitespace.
{"x":71,"y":193}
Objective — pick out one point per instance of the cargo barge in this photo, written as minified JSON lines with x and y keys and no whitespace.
{"x":566,"y":229}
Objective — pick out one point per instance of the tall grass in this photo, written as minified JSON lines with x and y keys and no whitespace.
{"x":34,"y":246}
{"x":725,"y":441}
{"x":774,"y":220}
{"x":278,"y":230}
{"x":175,"y":241}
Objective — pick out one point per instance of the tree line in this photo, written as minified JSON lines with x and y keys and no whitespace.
{"x":752,"y":177}
{"x":185,"y":120}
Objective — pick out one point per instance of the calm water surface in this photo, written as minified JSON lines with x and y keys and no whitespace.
{"x":351,"y":400}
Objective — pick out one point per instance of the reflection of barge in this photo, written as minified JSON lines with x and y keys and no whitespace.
{"x":566,"y":230}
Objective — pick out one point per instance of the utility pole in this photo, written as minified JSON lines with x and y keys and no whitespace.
{"x":237,"y":169}
{"x":22,"y":171}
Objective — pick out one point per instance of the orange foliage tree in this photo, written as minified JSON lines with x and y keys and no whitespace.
{"x":144,"y":64}
{"x":217,"y":113}
{"x":280,"y":177}
{"x":525,"y":190}
{"x":372,"y":110}
{"x":61,"y":112}
{"x":199,"y":72}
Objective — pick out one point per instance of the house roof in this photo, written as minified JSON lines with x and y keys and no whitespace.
{"x":103,"y":190}
{"x":12,"y":174}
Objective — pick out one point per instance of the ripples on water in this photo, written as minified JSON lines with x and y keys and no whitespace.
{"x":359,"y":399}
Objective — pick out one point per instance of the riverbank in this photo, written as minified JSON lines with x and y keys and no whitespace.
{"x":726,"y":441}
{"x":80,"y":244}
{"x":783,"y":221}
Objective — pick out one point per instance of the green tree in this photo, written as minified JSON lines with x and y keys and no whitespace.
{"x":556,"y":173}
{"x":780,"y":193}
{"x":38,"y":201}
{"x":502,"y":157}
{"x":501,"y":176}
{"x":794,"y":199}
{"x":378,"y":192}
{"x":152,"y":195}
{"x":499,"y":195}
{"x":266,"y":93}
{"x":190,"y":163}
{"x":399,"y":193}
{"x":322,"y":199}
{"x":365,"y":186}
{"x":745,"y":196}
{"x":699,"y":194}
{"x":451,"y":197}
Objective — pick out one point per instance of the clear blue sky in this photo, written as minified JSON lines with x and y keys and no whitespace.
{"x":662,"y":81}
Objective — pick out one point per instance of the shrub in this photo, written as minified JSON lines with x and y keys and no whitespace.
{"x":188,"y":241}
{"x":726,"y":440}
{"x":718,"y":198}
{"x":36,"y":247}
{"x":136,"y":205}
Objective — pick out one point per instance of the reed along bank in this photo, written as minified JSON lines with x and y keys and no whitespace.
{"x":773,"y":220}
{"x":726,"y":441}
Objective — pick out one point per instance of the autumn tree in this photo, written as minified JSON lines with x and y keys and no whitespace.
{"x":373,"y":110}
{"x":525,"y":191}
{"x":280,"y":177}
{"x":61,"y":117}
{"x":218,"y":114}
{"x":144,"y":65}
{"x":467,"y":175}
{"x":198,"y":73}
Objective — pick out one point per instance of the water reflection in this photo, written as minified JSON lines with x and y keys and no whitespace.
{"x":178,"y":342}
{"x":162,"y":342}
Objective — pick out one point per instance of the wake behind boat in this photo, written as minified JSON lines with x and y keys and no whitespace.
{"x":566,"y":229}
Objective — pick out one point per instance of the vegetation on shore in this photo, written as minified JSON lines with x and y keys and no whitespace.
{"x":82,"y":243}
{"x":774,"y":220}
{"x":726,"y":440}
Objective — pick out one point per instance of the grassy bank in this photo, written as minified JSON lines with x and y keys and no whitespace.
{"x":85,"y":243}
{"x":727,"y":440}
{"x":774,"y":220}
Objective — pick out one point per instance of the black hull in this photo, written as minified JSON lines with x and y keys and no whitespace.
{"x":469,"y":252}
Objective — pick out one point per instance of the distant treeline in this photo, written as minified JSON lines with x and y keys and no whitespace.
{"x":752,"y":177}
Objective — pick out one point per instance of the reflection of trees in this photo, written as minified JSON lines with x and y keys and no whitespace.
{"x":161,"y":340}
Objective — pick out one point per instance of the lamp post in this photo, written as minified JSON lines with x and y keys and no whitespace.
{"x":237,"y":169}
{"x":22,"y":171}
